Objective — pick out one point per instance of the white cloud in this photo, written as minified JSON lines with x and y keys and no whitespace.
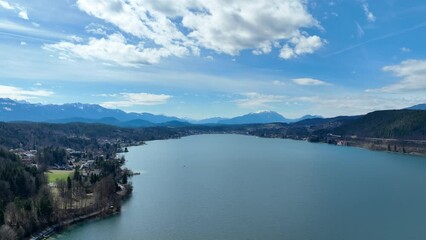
{"x":97,"y":29}
{"x":405,"y":50}
{"x":264,"y":48}
{"x":279,"y":83}
{"x":74,"y":38}
{"x":334,"y":105}
{"x":368,"y":14}
{"x":309,"y":82}
{"x":6,"y":5}
{"x":23,"y":14}
{"x":184,"y":27}
{"x":413,"y":77}
{"x":210,"y":58}
{"x":105,"y":95}
{"x":301,"y":45}
{"x":23,"y":43}
{"x":29,"y":32}
{"x":22,"y":94}
{"x":256,"y":100}
{"x":113,"y":49}
{"x":137,"y":99}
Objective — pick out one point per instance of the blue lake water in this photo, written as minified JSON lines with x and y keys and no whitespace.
{"x":241,"y":187}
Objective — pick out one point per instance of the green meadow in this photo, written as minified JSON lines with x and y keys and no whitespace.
{"x":54,"y":175}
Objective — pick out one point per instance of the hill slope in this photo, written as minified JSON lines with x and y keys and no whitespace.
{"x":418,"y":107}
{"x":400,"y":124}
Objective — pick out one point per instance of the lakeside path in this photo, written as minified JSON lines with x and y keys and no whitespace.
{"x":50,"y":230}
{"x":395,"y":140}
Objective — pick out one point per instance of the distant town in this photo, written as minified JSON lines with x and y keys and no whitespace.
{"x":82,"y":160}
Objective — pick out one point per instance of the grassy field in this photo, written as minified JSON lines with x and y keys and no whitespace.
{"x":54,"y":175}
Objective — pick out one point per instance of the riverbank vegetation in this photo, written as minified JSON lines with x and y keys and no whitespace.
{"x":32,"y":199}
{"x":25,"y":199}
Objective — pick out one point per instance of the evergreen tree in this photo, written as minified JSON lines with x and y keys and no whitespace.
{"x":45,"y":206}
{"x":124,"y":180}
{"x":69,"y":183}
{"x":77,"y":175}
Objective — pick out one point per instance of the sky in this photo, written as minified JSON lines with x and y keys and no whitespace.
{"x":201,"y":59}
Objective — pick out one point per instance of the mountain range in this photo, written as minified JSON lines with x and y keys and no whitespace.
{"x":13,"y":111}
{"x":263,"y":117}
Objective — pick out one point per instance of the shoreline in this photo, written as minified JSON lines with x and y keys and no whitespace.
{"x":58,"y":227}
{"x":364,"y":140}
{"x":51,"y":230}
{"x":358,"y":143}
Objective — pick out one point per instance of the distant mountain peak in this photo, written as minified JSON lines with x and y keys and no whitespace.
{"x":13,"y":110}
{"x":8,"y":100}
{"x":418,"y":107}
{"x":259,"y":117}
{"x":262,"y":111}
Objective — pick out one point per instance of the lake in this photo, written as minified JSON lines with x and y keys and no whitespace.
{"x":242,"y":187}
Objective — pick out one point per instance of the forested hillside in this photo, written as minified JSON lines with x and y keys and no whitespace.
{"x":79,"y":136}
{"x":25,"y":203}
{"x":398,"y":124}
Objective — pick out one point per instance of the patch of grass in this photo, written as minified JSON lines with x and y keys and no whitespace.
{"x":54,"y":175}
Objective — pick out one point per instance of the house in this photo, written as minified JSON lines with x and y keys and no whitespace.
{"x":87,"y":164}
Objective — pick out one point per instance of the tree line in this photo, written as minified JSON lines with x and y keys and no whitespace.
{"x":28,"y":204}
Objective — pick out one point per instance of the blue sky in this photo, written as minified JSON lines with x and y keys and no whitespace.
{"x":200,"y":59}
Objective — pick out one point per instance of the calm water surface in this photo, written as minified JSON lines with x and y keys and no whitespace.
{"x":239,"y":187}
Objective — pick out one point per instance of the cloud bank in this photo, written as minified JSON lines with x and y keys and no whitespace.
{"x":22,"y":12}
{"x":368,"y":14}
{"x":137,"y":99}
{"x":160,"y":28}
{"x":257,"y":100}
{"x":309,"y":82}
{"x":412,"y":74}
{"x":22,"y":94}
